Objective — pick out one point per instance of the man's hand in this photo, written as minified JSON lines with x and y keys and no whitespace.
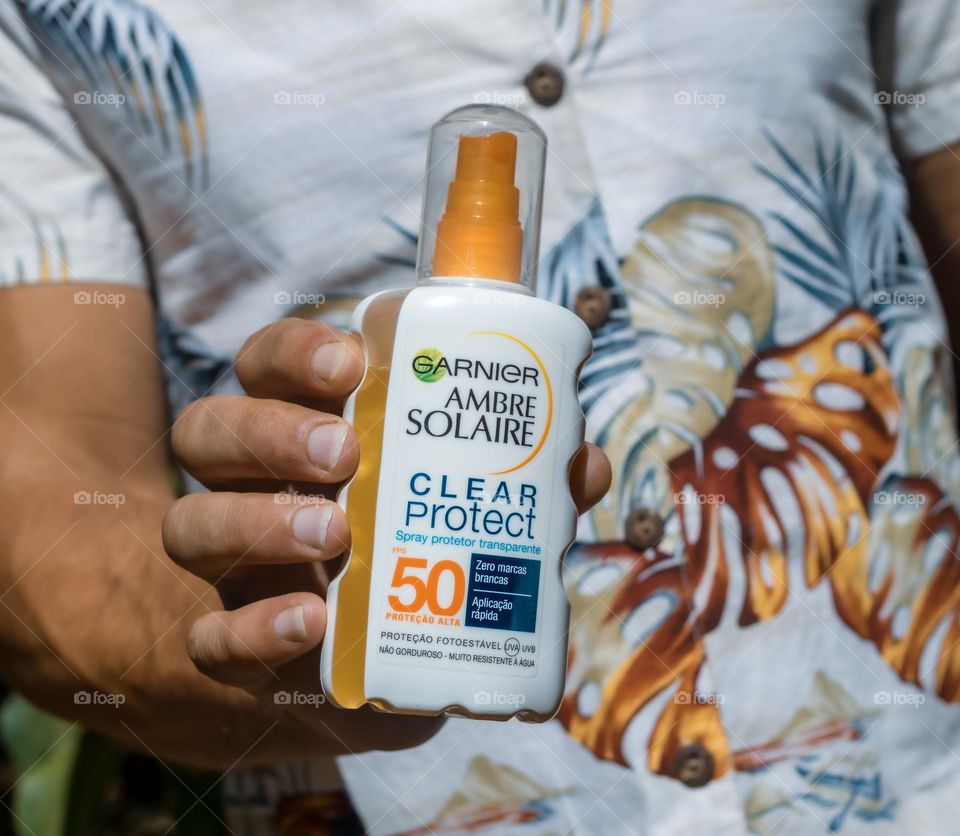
{"x":95,"y":619}
{"x":264,"y":553}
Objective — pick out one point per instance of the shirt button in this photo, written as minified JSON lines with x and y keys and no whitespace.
{"x":693,"y":765}
{"x":545,"y":83}
{"x":592,"y":305}
{"x":643,"y":528}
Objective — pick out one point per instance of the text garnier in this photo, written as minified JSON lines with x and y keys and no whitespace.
{"x":425,"y":365}
{"x":472,"y":411}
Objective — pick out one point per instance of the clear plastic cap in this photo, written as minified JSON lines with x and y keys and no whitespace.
{"x":483,"y":196}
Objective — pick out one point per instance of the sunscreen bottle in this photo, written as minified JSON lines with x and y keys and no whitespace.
{"x":450,"y":599}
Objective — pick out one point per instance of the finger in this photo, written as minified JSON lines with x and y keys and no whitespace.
{"x":295,"y":358}
{"x":244,"y":647}
{"x":212,"y":534}
{"x":226,"y":438}
{"x":590,"y":476}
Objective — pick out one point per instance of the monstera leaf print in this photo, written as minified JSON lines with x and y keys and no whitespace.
{"x":699,"y":290}
{"x":850,"y":246}
{"x":789,"y":472}
{"x":907,"y":599}
{"x":691,"y":303}
{"x":922,"y":367}
{"x":828,"y":461}
{"x":792,"y":467}
{"x":632,"y":633}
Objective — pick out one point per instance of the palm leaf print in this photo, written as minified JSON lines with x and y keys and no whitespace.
{"x":585,"y":257}
{"x":583,"y":26}
{"x":859,"y":250}
{"x":126,"y":48}
{"x":51,"y":262}
{"x":800,"y":468}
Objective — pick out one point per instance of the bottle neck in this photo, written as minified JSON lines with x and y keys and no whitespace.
{"x":471,"y":281}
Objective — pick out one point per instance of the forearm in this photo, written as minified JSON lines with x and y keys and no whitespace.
{"x":89,"y":599}
{"x":89,"y":602}
{"x":92,"y":605}
{"x":935,"y":210}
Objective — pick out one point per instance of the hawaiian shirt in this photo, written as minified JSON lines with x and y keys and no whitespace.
{"x":764,"y":632}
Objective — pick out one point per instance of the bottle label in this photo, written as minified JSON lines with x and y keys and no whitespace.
{"x":464,"y":543}
{"x":503,"y":593}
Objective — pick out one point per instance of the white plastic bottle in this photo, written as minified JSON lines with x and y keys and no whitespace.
{"x":450,"y":600}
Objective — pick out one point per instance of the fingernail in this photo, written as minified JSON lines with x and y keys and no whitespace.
{"x":325,"y":443}
{"x":328,"y":360}
{"x":290,"y":625}
{"x":310,"y":524}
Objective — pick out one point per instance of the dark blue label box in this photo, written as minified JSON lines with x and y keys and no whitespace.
{"x":503,"y":593}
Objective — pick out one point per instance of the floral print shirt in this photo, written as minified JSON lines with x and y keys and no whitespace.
{"x":765,"y":632}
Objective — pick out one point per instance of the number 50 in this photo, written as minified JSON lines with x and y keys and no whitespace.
{"x":427,"y":592}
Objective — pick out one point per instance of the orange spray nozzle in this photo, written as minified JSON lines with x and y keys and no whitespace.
{"x":479,"y":235}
